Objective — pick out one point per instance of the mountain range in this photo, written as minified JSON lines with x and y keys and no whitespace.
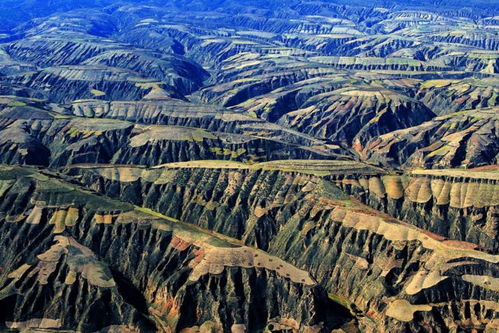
{"x":249,"y":166}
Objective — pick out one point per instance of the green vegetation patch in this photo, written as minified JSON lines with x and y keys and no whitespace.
{"x":440,"y":151}
{"x":12,"y":172}
{"x":97,"y":93}
{"x":16,"y":103}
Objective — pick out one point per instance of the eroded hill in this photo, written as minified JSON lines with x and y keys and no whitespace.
{"x":262,"y":166}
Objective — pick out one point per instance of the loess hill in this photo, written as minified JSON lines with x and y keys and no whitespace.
{"x":260,"y":166}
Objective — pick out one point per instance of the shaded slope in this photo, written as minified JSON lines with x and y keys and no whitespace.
{"x":467,"y":138}
{"x":73,"y":240}
{"x":405,"y":267}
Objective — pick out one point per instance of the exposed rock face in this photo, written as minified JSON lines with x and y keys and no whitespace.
{"x":448,"y":96}
{"x":74,"y":82}
{"x":180,"y":113}
{"x":293,"y":215}
{"x":344,"y":74}
{"x":249,"y":166}
{"x":184,"y":75}
{"x":170,"y":277}
{"x":32,"y":134}
{"x":463,"y":139}
{"x":333,"y":115}
{"x":54,"y":51}
{"x":456,"y":205}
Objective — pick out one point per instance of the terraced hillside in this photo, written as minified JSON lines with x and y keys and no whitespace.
{"x":249,"y":166}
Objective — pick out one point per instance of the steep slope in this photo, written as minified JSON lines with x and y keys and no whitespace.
{"x":65,"y":84}
{"x":197,"y":115}
{"x":414,"y":277}
{"x":356,"y":115}
{"x":39,"y":133}
{"x":249,"y":166}
{"x":449,"y":96}
{"x":72,"y":270}
{"x":454,"y":203}
{"x":467,"y":139}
